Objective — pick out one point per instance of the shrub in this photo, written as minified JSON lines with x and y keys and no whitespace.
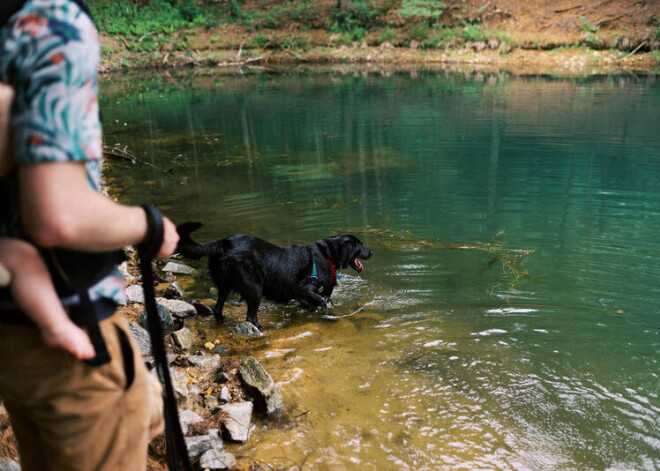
{"x":419,"y":32}
{"x":360,"y":14}
{"x":389,"y":35}
{"x":429,"y":10}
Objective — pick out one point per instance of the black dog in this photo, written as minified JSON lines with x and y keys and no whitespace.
{"x":255,"y":268}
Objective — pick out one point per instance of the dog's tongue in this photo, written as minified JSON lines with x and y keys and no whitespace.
{"x":359,"y":266}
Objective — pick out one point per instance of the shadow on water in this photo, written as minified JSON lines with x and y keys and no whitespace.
{"x":463,"y":346}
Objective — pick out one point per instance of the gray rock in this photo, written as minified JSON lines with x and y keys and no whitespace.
{"x":180,"y":385}
{"x":200,"y":444}
{"x":187,"y":417}
{"x":247,"y":329}
{"x":217,"y":459}
{"x":135,"y":294}
{"x":180,"y":268}
{"x":123,"y":269}
{"x":174,"y":291}
{"x":166,"y":319}
{"x":151,"y":361}
{"x":225,"y":395}
{"x":177,"y":307}
{"x":183,"y":338}
{"x":236,"y":424}
{"x":202,"y":309}
{"x":7,"y":464}
{"x":141,"y":336}
{"x":204,"y":362}
{"x":195,"y":390}
{"x":219,"y":349}
{"x":260,"y":385}
{"x":221,"y":377}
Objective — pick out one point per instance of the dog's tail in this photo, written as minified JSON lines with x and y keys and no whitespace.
{"x":188,"y":247}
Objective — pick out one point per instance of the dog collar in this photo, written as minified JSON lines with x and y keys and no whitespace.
{"x":333,"y":271}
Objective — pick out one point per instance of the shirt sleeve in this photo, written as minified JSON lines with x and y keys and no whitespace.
{"x":51,"y":56}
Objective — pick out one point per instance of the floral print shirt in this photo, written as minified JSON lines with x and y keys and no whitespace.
{"x":49,"y":53}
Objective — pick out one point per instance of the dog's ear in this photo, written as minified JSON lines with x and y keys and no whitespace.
{"x":348,"y":245}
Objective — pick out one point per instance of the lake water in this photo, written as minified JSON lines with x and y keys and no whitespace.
{"x":511,"y":310}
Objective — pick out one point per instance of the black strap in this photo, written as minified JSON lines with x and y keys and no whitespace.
{"x":177,"y":452}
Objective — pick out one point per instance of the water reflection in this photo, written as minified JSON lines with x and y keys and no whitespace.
{"x":452,"y":363}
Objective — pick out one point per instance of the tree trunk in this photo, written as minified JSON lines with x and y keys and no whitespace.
{"x":342,"y":5}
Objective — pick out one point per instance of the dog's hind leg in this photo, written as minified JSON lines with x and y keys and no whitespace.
{"x":223,"y":294}
{"x":252,"y":297}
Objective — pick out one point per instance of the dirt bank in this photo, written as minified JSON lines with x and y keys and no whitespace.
{"x":535,"y":36}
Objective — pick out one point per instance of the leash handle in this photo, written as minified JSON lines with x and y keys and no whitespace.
{"x":177,"y":452}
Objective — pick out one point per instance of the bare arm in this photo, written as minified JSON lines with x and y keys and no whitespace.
{"x":6,"y":154}
{"x":60,"y":209}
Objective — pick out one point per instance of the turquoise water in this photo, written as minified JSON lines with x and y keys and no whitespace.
{"x":468,"y":353}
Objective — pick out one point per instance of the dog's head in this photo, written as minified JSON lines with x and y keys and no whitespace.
{"x":345,"y":250}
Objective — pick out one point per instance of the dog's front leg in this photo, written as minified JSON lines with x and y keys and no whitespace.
{"x":309,"y":297}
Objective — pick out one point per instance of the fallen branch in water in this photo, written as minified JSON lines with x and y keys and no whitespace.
{"x":122,"y":153}
{"x":333,"y":318}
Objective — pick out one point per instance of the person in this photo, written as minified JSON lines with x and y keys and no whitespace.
{"x":68,"y":414}
{"x":23,"y":270}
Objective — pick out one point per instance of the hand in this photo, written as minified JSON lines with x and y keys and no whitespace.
{"x":170,"y":239}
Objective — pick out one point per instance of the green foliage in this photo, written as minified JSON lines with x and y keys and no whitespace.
{"x":430,"y":10}
{"x":473,"y":33}
{"x":360,"y":14}
{"x":260,"y":40}
{"x":389,"y":35}
{"x":125,"y":18}
{"x":587,"y":26}
{"x":419,"y":32}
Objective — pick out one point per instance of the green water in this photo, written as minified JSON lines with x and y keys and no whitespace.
{"x":458,"y":360}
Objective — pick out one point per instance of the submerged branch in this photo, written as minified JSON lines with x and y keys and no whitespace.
{"x":511,"y":259}
{"x":122,"y":153}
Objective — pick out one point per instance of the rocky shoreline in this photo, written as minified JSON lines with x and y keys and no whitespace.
{"x":491,"y":55}
{"x":218,"y":396}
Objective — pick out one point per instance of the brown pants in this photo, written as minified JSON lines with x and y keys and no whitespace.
{"x":69,"y":416}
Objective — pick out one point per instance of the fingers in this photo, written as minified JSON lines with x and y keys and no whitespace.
{"x":170,"y":239}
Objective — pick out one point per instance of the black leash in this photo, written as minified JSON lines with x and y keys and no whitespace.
{"x":177,"y":452}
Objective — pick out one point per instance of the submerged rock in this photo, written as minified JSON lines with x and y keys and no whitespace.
{"x":260,"y":385}
{"x":202,"y":309}
{"x":236,"y":424}
{"x":247,"y":329}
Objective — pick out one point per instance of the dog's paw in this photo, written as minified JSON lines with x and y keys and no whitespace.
{"x":328,"y":304}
